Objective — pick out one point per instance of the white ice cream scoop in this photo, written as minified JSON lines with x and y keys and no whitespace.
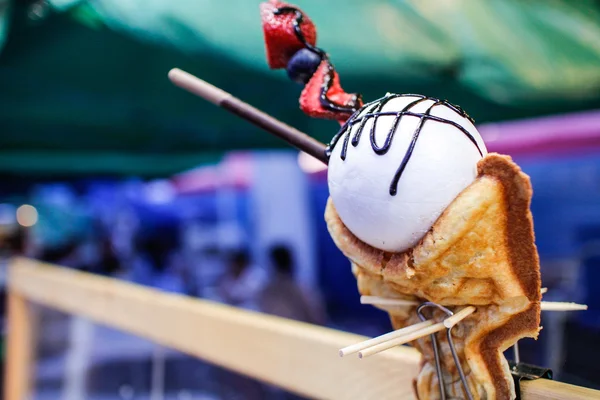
{"x":397,"y":164}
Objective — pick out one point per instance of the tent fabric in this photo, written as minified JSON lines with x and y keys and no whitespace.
{"x":83,"y":89}
{"x":5,"y":12}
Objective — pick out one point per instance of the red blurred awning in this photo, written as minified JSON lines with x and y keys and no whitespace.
{"x":234,"y":171}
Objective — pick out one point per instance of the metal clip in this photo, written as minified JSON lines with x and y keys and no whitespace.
{"x":436,"y":354}
{"x":521,"y":371}
{"x":518,"y":369}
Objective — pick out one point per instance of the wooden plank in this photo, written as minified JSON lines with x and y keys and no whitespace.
{"x":299,"y":357}
{"x":19,"y":348}
{"x":295,"y":356}
{"x":543,"y":389}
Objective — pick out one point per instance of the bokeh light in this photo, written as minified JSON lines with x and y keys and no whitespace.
{"x":27,"y":215}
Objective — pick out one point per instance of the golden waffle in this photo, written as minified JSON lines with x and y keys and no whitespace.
{"x":479,"y":252}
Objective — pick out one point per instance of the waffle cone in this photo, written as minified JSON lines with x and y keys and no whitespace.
{"x":479,"y":252}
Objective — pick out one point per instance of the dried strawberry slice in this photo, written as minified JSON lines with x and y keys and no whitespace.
{"x":323,"y":96}
{"x":279,"y":22}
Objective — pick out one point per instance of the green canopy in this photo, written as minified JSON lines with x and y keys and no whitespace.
{"x":83,"y":86}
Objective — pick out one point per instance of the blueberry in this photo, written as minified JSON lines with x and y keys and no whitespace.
{"x":303,"y":65}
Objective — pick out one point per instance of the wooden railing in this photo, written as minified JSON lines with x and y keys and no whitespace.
{"x":295,"y":356}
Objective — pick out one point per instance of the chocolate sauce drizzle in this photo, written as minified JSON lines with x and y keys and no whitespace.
{"x":326,"y":102}
{"x":373,"y":111}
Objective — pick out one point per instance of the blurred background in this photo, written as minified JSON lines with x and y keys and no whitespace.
{"x":106,"y":167}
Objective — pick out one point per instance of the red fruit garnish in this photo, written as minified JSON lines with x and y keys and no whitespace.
{"x":281,"y":40}
{"x":323,"y":96}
